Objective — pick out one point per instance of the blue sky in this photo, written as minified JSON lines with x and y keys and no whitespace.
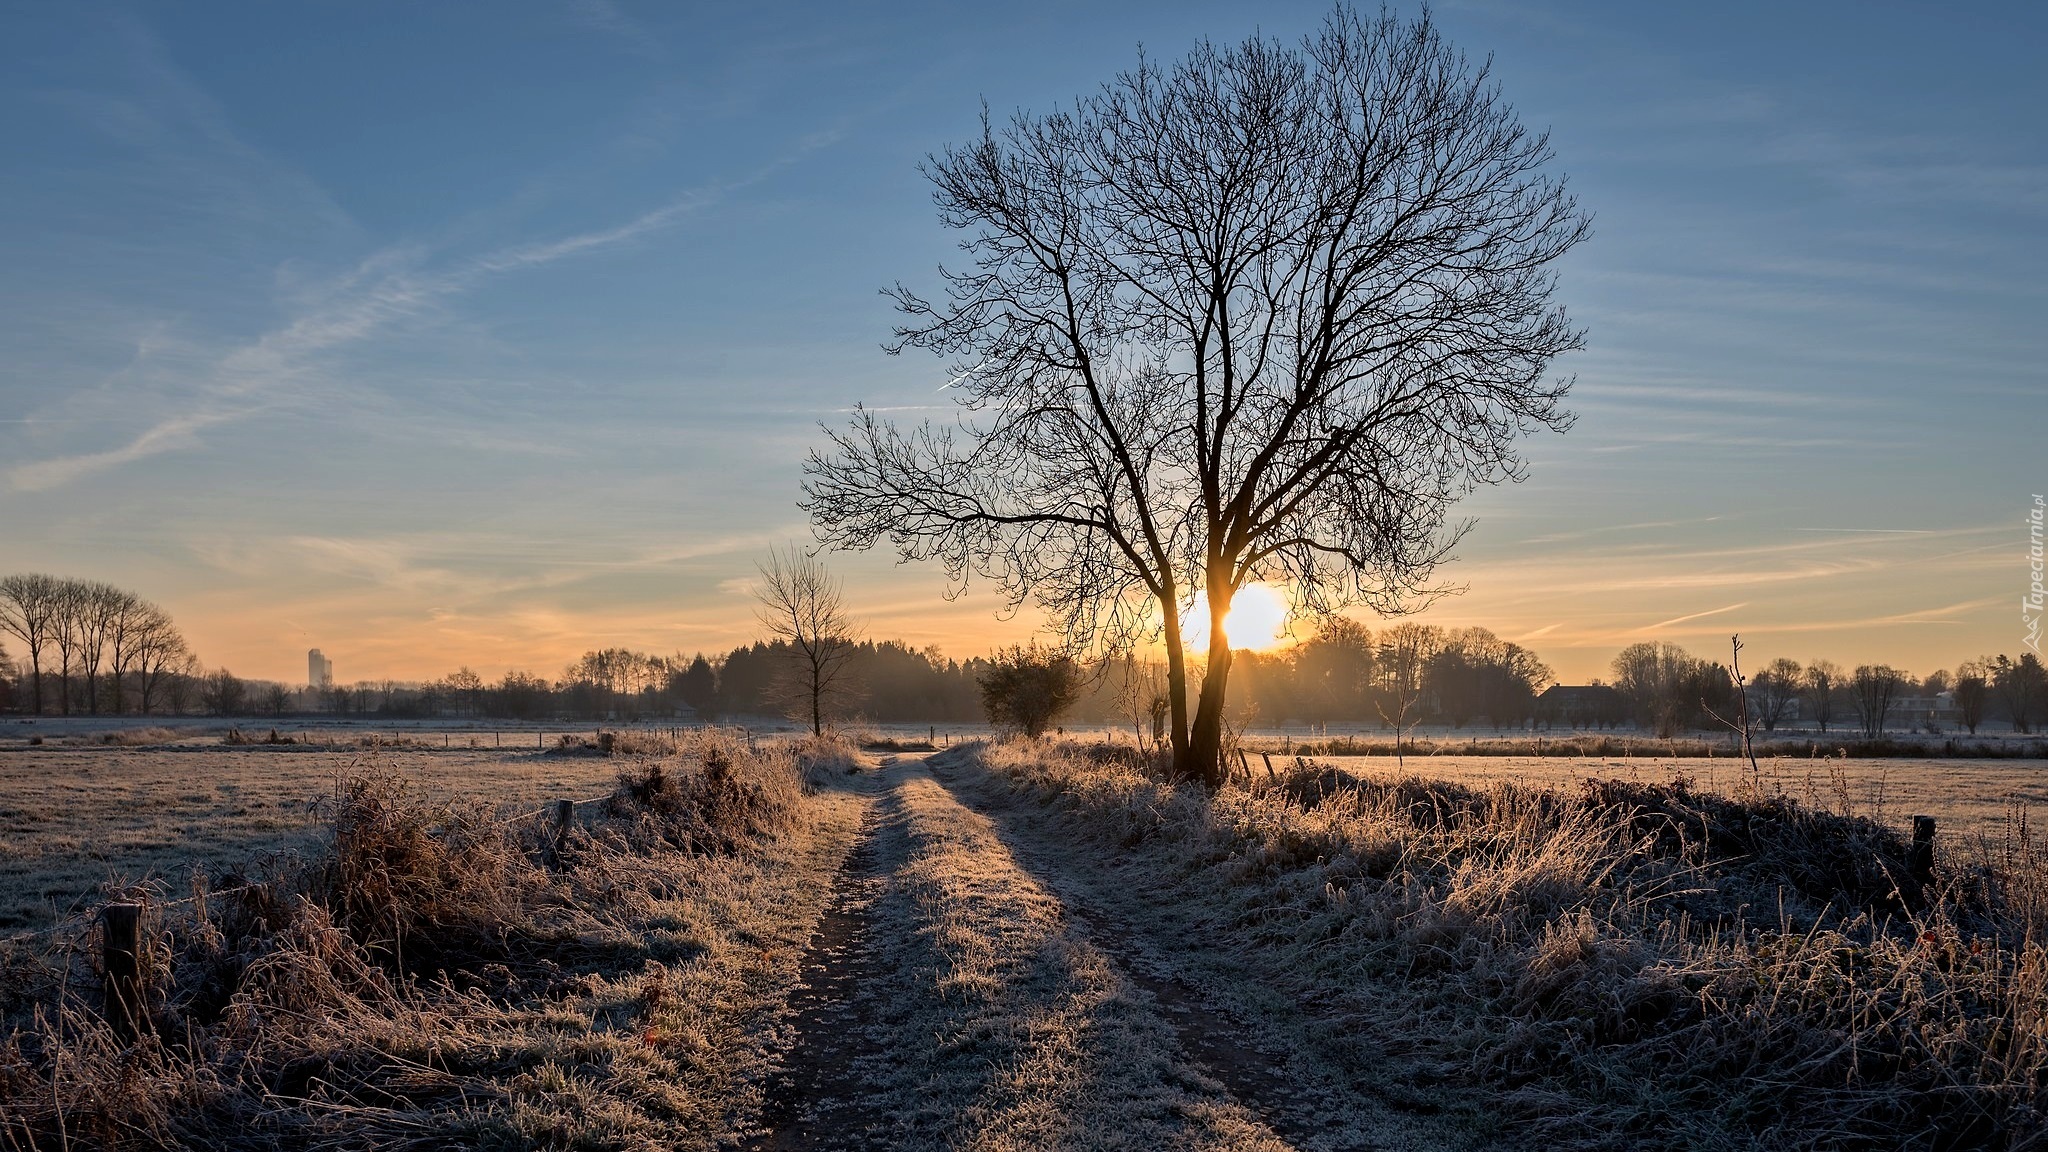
{"x":485,"y":334}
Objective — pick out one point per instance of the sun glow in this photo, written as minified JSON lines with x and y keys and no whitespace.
{"x":1257,"y":619}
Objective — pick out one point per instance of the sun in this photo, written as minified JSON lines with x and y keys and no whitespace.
{"x":1257,"y":619}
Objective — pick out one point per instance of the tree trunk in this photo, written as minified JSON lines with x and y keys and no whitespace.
{"x":1177,"y":686}
{"x":1205,"y":745}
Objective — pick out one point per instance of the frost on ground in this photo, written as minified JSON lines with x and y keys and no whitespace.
{"x":1621,"y":965}
{"x":438,"y":978}
{"x":1028,"y":946}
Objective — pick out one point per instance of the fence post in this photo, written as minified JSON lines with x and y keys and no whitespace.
{"x":121,"y":959}
{"x":1921,"y":859}
{"x":1268,"y":758}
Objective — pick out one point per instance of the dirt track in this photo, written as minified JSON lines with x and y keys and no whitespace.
{"x":974,"y":986}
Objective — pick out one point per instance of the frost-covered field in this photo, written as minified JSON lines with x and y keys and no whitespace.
{"x":77,"y":817}
{"x":1970,"y":798}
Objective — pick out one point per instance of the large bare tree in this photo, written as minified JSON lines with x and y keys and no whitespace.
{"x":30,"y":606}
{"x":804,"y":606}
{"x":1263,"y":314}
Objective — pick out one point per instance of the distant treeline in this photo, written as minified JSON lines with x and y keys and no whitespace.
{"x":83,"y":647}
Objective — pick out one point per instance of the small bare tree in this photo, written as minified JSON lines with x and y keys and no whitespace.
{"x":29,"y":609}
{"x":1261,"y":315}
{"x":1776,"y":687}
{"x":223,"y":693}
{"x":804,"y":606}
{"x":1873,"y":689}
{"x":1401,"y":667}
{"x":159,"y":653}
{"x":1973,"y":691}
{"x":2022,"y":685}
{"x":1823,"y":679}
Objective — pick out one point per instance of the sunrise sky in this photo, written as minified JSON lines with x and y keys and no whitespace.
{"x":444,"y":334}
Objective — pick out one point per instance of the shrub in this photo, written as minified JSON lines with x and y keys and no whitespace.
{"x":1025,"y":689}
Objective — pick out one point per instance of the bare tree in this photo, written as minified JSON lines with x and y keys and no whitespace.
{"x":1823,"y":678}
{"x":1264,"y":314}
{"x":804,"y":606}
{"x":2022,"y":685}
{"x":159,"y":655}
{"x":136,"y":628}
{"x":1973,"y":691}
{"x":1775,"y":688}
{"x":99,"y":609}
{"x":1401,"y":667}
{"x":181,"y":683}
{"x":223,"y":693}
{"x":29,"y":610}
{"x":1660,"y":681}
{"x":1873,"y":688}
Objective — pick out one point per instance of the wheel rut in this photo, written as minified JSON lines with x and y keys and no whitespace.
{"x":813,"y":1099}
{"x":1308,"y":1110}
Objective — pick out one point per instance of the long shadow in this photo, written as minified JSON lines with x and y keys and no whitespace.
{"x":1294,"y":1107}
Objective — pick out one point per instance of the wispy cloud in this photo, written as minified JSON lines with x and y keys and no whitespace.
{"x":611,"y":19}
{"x":1694,"y":616}
{"x":387,"y":290}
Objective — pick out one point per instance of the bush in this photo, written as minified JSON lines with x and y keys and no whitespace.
{"x":1025,"y":689}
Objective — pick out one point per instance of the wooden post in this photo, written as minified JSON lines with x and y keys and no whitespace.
{"x":121,"y":959}
{"x":1921,"y":859}
{"x":1246,"y":765}
{"x":565,"y":815}
{"x":1270,"y":774}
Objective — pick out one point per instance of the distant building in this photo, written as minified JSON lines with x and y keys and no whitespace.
{"x":319,"y":670}
{"x":1593,"y":705}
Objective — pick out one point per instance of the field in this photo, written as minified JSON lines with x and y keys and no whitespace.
{"x":79,"y":816}
{"x":85,"y":814}
{"x":1022,"y":946}
{"x":1970,"y":798}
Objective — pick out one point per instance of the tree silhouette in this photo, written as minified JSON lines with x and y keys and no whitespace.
{"x":804,"y":605}
{"x":1264,"y":314}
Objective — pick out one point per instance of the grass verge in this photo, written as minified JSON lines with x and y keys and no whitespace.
{"x":440,"y":976}
{"x":1624,"y":966}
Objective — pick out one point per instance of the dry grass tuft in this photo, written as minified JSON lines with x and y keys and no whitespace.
{"x":1629,"y":965}
{"x":830,"y":755}
{"x":137,"y":737}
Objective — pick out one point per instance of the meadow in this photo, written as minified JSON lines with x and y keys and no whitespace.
{"x":1017,"y":945}
{"x":82,"y":813}
{"x":79,"y":817}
